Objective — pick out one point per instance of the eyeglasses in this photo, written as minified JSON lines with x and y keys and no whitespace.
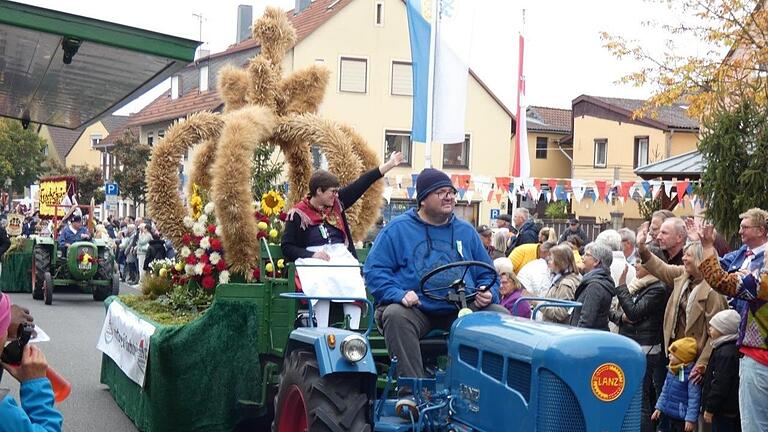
{"x":450,"y":193}
{"x":746,"y":227}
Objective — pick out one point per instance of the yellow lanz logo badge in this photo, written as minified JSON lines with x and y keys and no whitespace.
{"x":608,"y":382}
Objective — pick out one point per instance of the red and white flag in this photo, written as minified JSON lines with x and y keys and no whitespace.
{"x":522,"y":164}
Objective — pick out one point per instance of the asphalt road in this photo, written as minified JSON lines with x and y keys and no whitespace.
{"x":74,"y":323}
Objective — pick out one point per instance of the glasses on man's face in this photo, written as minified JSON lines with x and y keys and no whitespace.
{"x":746,"y":227}
{"x":444,"y":194}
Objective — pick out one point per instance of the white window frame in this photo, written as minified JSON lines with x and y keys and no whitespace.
{"x":467,"y":137}
{"x":97,"y":138}
{"x":392,"y":76}
{"x":367,"y":74}
{"x":175,"y":87}
{"x":595,"y":163}
{"x":545,"y":149}
{"x":203,"y":84}
{"x":399,"y":132}
{"x":637,"y":146}
{"x":378,"y":18}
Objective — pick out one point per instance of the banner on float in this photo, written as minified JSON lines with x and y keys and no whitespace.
{"x":125,"y":339}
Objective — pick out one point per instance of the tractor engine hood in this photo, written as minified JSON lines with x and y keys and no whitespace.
{"x":543,"y":376}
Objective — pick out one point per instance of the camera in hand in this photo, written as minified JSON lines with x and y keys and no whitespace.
{"x":13,"y":351}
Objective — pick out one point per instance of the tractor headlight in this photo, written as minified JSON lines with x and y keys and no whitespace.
{"x":354,"y":348}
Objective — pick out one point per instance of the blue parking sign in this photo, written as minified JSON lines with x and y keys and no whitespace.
{"x":495,"y":213}
{"x":111,"y":189}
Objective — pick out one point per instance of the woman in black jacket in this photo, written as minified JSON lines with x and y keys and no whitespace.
{"x":317,"y":232}
{"x":641,"y":319}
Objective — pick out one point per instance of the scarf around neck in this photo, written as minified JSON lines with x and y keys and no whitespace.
{"x":310,"y":216}
{"x":636,"y":285}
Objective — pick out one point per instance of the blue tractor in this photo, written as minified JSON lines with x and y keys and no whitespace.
{"x":503,"y":373}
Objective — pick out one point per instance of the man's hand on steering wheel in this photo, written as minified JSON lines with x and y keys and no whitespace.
{"x":410,"y":299}
{"x":483,"y":297}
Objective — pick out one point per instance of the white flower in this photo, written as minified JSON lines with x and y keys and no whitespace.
{"x":188,"y":221}
{"x":224,"y":277}
{"x":257,"y":205}
{"x":214,"y":258}
{"x":199,"y":268}
{"x":208,"y":209}
{"x":198,"y":229}
{"x":203,"y":219}
{"x":185,"y":251}
{"x":189,"y":269}
{"x":218,"y":230}
{"x":199,"y":252}
{"x":205,"y":242}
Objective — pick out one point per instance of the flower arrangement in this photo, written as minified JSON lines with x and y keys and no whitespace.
{"x":85,"y":258}
{"x":270,"y":219}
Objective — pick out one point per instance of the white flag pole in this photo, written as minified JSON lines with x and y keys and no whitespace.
{"x":433,"y":22}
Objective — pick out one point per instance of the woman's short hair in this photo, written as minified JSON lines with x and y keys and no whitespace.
{"x":575,"y":240}
{"x":504,"y":267}
{"x":323,"y":180}
{"x":600,"y":252}
{"x":610,"y":238}
{"x":562,"y":258}
{"x":499,"y":241}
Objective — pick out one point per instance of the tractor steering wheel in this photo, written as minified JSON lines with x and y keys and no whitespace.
{"x":458,"y":288}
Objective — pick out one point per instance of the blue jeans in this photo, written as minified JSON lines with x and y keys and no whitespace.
{"x":753,"y":395}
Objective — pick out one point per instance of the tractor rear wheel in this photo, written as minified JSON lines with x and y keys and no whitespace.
{"x":307,"y":401}
{"x":42,"y":265}
{"x":48,"y":288}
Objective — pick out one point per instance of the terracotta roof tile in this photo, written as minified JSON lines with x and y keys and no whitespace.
{"x":115,"y":134}
{"x":545,"y":119}
{"x":164,"y":108}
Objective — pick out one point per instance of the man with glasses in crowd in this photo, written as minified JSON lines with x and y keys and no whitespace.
{"x":753,"y":230}
{"x":410,"y":246}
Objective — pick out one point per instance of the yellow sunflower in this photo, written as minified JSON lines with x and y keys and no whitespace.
{"x":196,"y":202}
{"x":272,"y":203}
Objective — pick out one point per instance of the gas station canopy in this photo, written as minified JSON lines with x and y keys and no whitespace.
{"x":66,"y":70}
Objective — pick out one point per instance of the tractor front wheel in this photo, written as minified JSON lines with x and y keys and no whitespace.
{"x":307,"y":401}
{"x":42,"y":264}
{"x":48,"y":288}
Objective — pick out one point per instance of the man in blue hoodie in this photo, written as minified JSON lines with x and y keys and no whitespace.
{"x":409,"y":247}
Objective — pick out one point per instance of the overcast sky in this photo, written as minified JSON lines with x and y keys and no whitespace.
{"x":564,"y":54}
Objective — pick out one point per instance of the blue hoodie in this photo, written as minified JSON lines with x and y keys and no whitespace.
{"x":408,"y":248}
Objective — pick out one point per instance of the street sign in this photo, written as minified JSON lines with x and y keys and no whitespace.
{"x":111,"y":199}
{"x":111,"y":189}
{"x":495,"y":213}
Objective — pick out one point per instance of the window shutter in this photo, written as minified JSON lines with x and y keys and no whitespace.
{"x":353,"y":75}
{"x":402,"y":79}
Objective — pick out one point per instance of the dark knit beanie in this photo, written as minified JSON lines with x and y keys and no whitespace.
{"x":430,"y":180}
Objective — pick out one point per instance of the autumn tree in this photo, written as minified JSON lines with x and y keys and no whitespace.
{"x":732,"y":66}
{"x":132,"y":158}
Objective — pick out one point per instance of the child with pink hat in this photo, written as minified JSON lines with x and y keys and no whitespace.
{"x":36,"y":393}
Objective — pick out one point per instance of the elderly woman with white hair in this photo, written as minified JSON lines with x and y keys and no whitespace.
{"x":612,"y":239}
{"x":596,"y":288}
{"x":510,"y":289}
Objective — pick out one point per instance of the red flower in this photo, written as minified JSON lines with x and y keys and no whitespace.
{"x":215,"y":244}
{"x":264,"y":219}
{"x":212,"y":229}
{"x":283,"y":216}
{"x":209,"y":282}
{"x":186,"y":238}
{"x":191,"y":259}
{"x":261,"y":234}
{"x":207,"y":269}
{"x":221,"y":265}
{"x":204,"y":258}
{"x":256,"y":273}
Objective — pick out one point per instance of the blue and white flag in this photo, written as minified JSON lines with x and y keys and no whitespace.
{"x":453,"y":39}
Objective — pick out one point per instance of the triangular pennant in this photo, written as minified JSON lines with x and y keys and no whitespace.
{"x":601,"y":187}
{"x":690,"y":189}
{"x":489,"y":197}
{"x":552,"y":183}
{"x":646,"y":187}
{"x":388,"y":193}
{"x":518,"y":184}
{"x":503,"y":183}
{"x":455,"y":180}
{"x":411,"y":192}
{"x":498,"y":196}
{"x":668,"y":189}
{"x":468,"y":195}
{"x":465,"y":180}
{"x":682,"y":188}
{"x":413,"y":179}
{"x":537,"y":183}
{"x":624,"y":189}
{"x":461,"y":191}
